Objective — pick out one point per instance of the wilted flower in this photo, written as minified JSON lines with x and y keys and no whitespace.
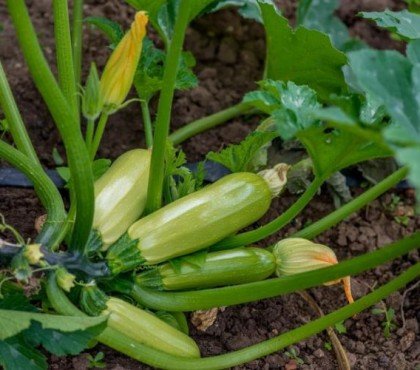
{"x":33,"y":254}
{"x":276,"y":178}
{"x":297,"y":255}
{"x":65,"y":279}
{"x":120,"y":69}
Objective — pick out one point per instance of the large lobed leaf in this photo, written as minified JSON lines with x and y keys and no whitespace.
{"x":320,"y":15}
{"x":394,"y":81}
{"x":404,"y":23}
{"x":303,"y":56}
{"x":22,"y":330}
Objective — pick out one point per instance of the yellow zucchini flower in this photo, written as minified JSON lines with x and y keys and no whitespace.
{"x":297,"y":255}
{"x":121,"y":67}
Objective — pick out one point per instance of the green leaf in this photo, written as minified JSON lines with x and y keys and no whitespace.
{"x":14,"y":322}
{"x":149,"y":75}
{"x":179,"y":181}
{"x":16,"y":301}
{"x":111,"y":29}
{"x":4,"y":126}
{"x":15,"y":353}
{"x":99,"y":167}
{"x":403,"y":23}
{"x":162,"y":13}
{"x":57,"y":158}
{"x":62,"y":343}
{"x":239,"y":157}
{"x":413,"y":51}
{"x":394,"y":81}
{"x":331,"y":137}
{"x":168,"y":318}
{"x":333,"y":149}
{"x":291,"y":106}
{"x":304,"y":56}
{"x":247,"y":8}
{"x":320,"y":15}
{"x":64,"y":173}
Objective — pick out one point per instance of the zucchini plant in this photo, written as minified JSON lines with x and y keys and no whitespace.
{"x":149,"y":240}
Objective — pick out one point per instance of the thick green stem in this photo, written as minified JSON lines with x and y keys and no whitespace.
{"x":209,"y":122}
{"x":163,"y":118}
{"x":161,"y":360}
{"x":100,"y":129}
{"x":50,"y":198}
{"x":65,"y":119}
{"x":77,"y":41}
{"x":238,"y":294}
{"x":14,"y":119}
{"x":64,"y":51}
{"x":343,"y":212}
{"x":147,"y":123}
{"x":273,"y":226}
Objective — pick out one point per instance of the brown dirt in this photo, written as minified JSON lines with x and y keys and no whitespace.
{"x":230,"y":54}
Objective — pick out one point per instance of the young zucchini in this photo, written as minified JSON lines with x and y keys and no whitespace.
{"x":193,"y":222}
{"x":236,"y":266}
{"x":140,"y":325}
{"x":120,"y":196}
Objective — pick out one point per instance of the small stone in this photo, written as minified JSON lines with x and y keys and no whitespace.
{"x":360,"y":347}
{"x":412,"y":324}
{"x":383,"y":361}
{"x":407,"y":341}
{"x":394,"y":301}
{"x":319,"y":353}
{"x":228,"y":51}
{"x":399,"y":361}
{"x":352,"y":359}
{"x":291,"y":365}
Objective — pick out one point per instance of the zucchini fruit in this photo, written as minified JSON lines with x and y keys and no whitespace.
{"x":235,"y":266}
{"x":193,"y":222}
{"x":140,"y":325}
{"x":120,"y":196}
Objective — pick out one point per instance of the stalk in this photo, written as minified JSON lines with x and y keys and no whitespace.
{"x":206,"y":123}
{"x":147,"y":122}
{"x":77,"y":41}
{"x":272,"y":227}
{"x":100,"y":129}
{"x":66,"y":121}
{"x":238,"y":294}
{"x":89,"y":134}
{"x":17,"y":127}
{"x":50,"y":198}
{"x":154,"y":199}
{"x":343,"y":212}
{"x":64,"y":51}
{"x":163,"y":360}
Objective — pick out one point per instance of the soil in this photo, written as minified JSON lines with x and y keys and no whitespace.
{"x":230,"y":53}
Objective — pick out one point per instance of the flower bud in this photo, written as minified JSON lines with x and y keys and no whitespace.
{"x":65,"y":279}
{"x":121,"y":67}
{"x":296,"y":255}
{"x":33,"y":254}
{"x":92,"y":103}
{"x":276,"y":178}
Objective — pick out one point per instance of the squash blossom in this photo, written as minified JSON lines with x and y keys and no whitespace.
{"x":297,"y":255}
{"x":121,"y":67}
